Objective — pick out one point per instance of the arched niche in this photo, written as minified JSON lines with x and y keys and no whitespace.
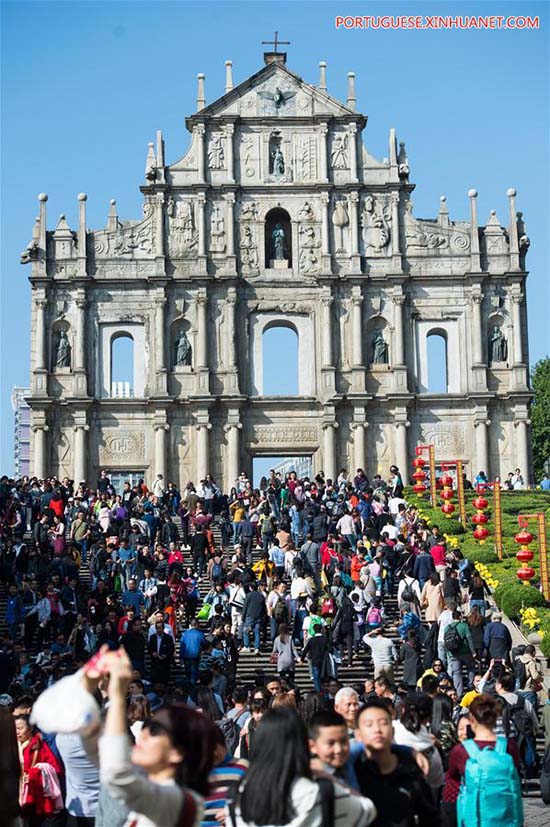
{"x":378,"y":342}
{"x":280,"y":359}
{"x":496,"y":340}
{"x":278,"y":231}
{"x":61,"y":329}
{"x":302,"y":326}
{"x":178,"y":326}
{"x":443,"y":355}
{"x":108,"y":373}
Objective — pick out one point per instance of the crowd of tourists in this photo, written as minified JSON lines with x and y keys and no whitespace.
{"x":133,"y":615}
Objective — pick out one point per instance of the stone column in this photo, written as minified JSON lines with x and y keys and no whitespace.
{"x":354,"y":223}
{"x":202,"y":351}
{"x":476,"y":300}
{"x":513,"y":231}
{"x":82,"y":234}
{"x":229,"y":130}
{"x":80,"y":453}
{"x":475,"y":265}
{"x":324,"y":224}
{"x":199,"y":131}
{"x":482,"y":446}
{"x":330,"y":450}
{"x":40,"y":359}
{"x":40,"y":451}
{"x":357,"y":327}
{"x":229,"y":217}
{"x":402,"y":454}
{"x":323,"y":132}
{"x":522,"y":448}
{"x":395,"y":245}
{"x":233,"y":453}
{"x":80,"y":334}
{"x":398,"y":302}
{"x":201,"y":201}
{"x":159,"y":333}
{"x":161,"y":429}
{"x":203,"y":451}
{"x":230,"y":326}
{"x":359,"y":445}
{"x":352,"y":141}
{"x":159,"y":225}
{"x":517,"y":299}
{"x":326,"y":330}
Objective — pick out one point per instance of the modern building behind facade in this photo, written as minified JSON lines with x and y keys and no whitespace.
{"x":22,"y":432}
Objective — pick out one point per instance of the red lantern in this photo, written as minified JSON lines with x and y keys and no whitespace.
{"x":524,"y":556}
{"x":419,"y":475}
{"x":480,"y":519}
{"x":526,"y":574}
{"x":447,"y":481}
{"x":480,"y":503}
{"x":447,"y":494}
{"x":481,"y":533}
{"x":419,"y":462}
{"x":447,"y":508}
{"x":523,"y":537}
{"x":419,"y":488}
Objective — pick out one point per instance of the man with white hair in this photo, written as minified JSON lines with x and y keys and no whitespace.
{"x":346,"y":703}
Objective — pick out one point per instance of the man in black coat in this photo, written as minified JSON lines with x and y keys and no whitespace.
{"x":161,"y":652}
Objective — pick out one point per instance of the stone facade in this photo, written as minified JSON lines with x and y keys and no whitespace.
{"x":359,"y":278}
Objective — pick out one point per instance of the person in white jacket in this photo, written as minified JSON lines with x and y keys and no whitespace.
{"x":410,"y":731}
{"x":279,"y":790}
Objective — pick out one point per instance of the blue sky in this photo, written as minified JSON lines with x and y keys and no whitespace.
{"x":86,"y":84}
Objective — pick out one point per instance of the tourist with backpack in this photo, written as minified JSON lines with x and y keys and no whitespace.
{"x":528,"y":675}
{"x":278,"y":608}
{"x":409,"y":592}
{"x":518,"y":720}
{"x":482,"y":786}
{"x":497,"y":639}
{"x":460,"y":650}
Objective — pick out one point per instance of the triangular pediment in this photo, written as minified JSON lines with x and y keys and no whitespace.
{"x":274,"y":92}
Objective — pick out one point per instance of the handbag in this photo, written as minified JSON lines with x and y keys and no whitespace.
{"x":204,"y":612}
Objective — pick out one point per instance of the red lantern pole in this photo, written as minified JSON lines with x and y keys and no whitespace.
{"x":497,"y":512}
{"x":525,"y":555}
{"x":430,"y":450}
{"x":457,"y":464}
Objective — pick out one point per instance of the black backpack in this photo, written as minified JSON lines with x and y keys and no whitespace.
{"x":280,"y":611}
{"x":452,"y":639}
{"x":408,"y":595}
{"x":520,"y":673}
{"x":516,"y":720}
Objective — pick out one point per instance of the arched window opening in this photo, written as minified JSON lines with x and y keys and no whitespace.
{"x":278,"y":239}
{"x":122,"y":366}
{"x":280,"y":361}
{"x":438,"y":370}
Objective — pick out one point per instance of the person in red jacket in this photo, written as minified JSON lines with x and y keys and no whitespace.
{"x":439,"y":556}
{"x":357,"y":562}
{"x":38,"y":802}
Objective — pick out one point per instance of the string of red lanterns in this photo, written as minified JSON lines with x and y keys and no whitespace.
{"x":524,"y":556}
{"x":419,"y":476}
{"x":447,"y":495}
{"x":481,"y":532}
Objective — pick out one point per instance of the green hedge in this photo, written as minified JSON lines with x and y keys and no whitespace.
{"x":511,"y":598}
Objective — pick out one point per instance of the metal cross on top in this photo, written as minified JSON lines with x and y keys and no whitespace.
{"x":276,"y":42}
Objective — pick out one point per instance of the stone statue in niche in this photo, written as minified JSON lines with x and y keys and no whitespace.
{"x":183,"y":349}
{"x":339,"y":154}
{"x":340,"y":219}
{"x":63,"y":351}
{"x":376,"y":227}
{"x":379,"y":348}
{"x":183,"y":236}
{"x":277,"y":161}
{"x":498,"y":346}
{"x":217,"y":231}
{"x":278,"y":243}
{"x":216,"y":153}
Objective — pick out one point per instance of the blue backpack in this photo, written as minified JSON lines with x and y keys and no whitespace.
{"x":490,"y":794}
